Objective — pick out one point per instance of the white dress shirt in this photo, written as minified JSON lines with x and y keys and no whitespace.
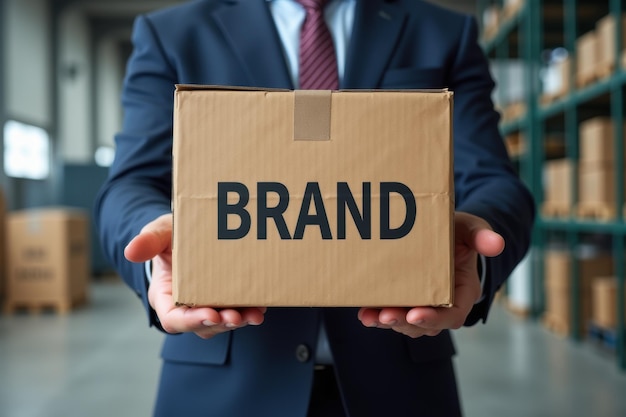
{"x":288,"y":17}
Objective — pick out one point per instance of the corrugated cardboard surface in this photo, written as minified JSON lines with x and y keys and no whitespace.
{"x":559,"y":175}
{"x":48,"y":258}
{"x":586,"y":57}
{"x":596,"y":183}
{"x":607,"y":35}
{"x":604,"y":302}
{"x":376,"y":137}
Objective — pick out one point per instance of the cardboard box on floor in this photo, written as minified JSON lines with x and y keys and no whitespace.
{"x":48,"y":258}
{"x":3,"y":247}
{"x":286,"y":198}
{"x":604,"y":302}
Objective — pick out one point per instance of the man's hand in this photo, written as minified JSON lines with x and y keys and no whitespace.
{"x":473,"y":236}
{"x":154,"y":242}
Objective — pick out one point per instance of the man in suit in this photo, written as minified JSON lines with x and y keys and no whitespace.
{"x":262,"y":362}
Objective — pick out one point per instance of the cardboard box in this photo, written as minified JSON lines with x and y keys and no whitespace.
{"x":514,"y":111}
{"x":559,"y":175}
{"x":515,"y":144}
{"x":606,"y":29}
{"x":512,"y":8}
{"x":596,"y":183}
{"x":586,"y":58}
{"x":492,"y":18}
{"x":604,"y":302}
{"x":3,"y":246}
{"x":48,"y":258}
{"x":596,"y":140}
{"x":559,"y":295}
{"x":269,"y":187}
{"x":558,"y":270}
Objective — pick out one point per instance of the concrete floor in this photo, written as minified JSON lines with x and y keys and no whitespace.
{"x":102,"y":361}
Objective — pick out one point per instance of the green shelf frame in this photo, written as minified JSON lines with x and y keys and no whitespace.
{"x":536,"y":26}
{"x":579,"y":97}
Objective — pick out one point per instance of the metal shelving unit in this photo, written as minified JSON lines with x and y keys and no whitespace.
{"x":537,"y":26}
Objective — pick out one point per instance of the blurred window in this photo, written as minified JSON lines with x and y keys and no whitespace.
{"x":26,"y":151}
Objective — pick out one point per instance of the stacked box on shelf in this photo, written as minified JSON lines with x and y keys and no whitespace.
{"x":491,"y":18}
{"x":596,"y":51}
{"x":586,"y":59}
{"x":604,"y":302}
{"x":514,"y":111}
{"x":596,"y":179}
{"x":606,"y":29}
{"x":559,"y":297}
{"x":558,"y":198}
{"x":515,"y":144}
{"x":511,"y":8}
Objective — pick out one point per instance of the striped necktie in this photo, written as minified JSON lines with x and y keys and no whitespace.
{"x":318,"y":63}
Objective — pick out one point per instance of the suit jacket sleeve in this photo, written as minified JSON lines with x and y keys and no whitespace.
{"x":138,"y":188}
{"x":486,"y":183}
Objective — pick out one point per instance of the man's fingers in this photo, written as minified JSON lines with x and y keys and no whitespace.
{"x":394,"y":319}
{"x":437,"y":318}
{"x":253,"y":316}
{"x":477,"y":234}
{"x":154,"y":239}
{"x":369,"y":317}
{"x":415,"y":322}
{"x":488,"y":243}
{"x":143,"y":247}
{"x":207,"y":322}
{"x":238,"y":317}
{"x":392,"y":316}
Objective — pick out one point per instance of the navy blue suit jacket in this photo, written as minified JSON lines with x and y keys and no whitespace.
{"x":396,"y":44}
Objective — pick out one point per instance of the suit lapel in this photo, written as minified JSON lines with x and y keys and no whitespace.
{"x":377,"y":25}
{"x":257,"y":46}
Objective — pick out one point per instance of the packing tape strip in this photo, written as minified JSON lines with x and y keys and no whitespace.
{"x":312,"y":114}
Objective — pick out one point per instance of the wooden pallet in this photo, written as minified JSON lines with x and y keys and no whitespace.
{"x":554,"y":209}
{"x":596,"y":211}
{"x":38,"y":307}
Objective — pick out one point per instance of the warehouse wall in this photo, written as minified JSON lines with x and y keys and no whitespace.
{"x":3,"y":14}
{"x":80,"y":108}
{"x":74,"y":83}
{"x":27,"y":57}
{"x":28,"y":62}
{"x":90,"y":78}
{"x":109,"y":75}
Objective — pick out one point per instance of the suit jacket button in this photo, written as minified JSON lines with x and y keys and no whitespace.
{"x":303,"y":353}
